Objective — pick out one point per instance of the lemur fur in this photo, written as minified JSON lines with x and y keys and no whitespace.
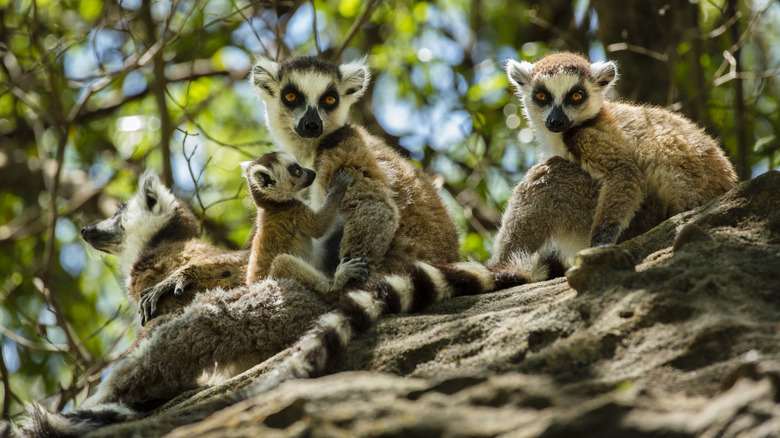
{"x":161,"y":257}
{"x":238,"y":328}
{"x":392,"y":215}
{"x":285,"y":225}
{"x":637,"y":154}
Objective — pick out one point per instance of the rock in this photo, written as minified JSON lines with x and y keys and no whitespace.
{"x":685,"y":344}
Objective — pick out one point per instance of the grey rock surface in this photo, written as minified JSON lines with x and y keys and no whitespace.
{"x":684,"y":344}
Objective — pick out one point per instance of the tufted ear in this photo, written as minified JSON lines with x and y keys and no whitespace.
{"x":261,"y":176}
{"x":604,"y":73}
{"x":519,"y":73}
{"x":245,"y":165}
{"x":150,"y":186}
{"x":355,"y":77}
{"x":265,"y":77}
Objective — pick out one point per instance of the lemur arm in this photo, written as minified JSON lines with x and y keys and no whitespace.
{"x":289,"y":266}
{"x":623,"y":185}
{"x":316,"y":224}
{"x":371,"y":220}
{"x":222,"y":270}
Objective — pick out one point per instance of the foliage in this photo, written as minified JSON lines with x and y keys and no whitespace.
{"x":92,"y":92}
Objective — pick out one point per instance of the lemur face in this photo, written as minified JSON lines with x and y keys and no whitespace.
{"x":276,"y":177}
{"x":136,"y":221}
{"x":561,"y":90}
{"x":307,"y":97}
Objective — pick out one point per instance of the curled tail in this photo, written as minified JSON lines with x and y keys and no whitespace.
{"x":41,"y":423}
{"x":415,"y":290}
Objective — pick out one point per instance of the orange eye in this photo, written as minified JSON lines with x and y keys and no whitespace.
{"x":290,"y":97}
{"x":541,"y":96}
{"x":330,"y":100}
{"x":297,"y":172}
{"x":576,"y":96}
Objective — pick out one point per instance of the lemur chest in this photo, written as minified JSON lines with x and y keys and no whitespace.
{"x":316,"y":194}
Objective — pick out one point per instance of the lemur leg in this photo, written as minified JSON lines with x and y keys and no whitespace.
{"x":288,"y":266}
{"x":553,"y":204}
{"x":369,"y":228}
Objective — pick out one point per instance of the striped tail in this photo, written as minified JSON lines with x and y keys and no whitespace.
{"x":413,"y":291}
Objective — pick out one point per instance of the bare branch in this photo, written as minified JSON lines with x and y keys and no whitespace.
{"x":314,"y":28}
{"x":7,"y":392}
{"x":21,"y":340}
{"x":618,"y":47}
{"x":359,"y":22}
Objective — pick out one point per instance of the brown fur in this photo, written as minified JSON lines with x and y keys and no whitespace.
{"x":639,"y":165}
{"x":180,"y":259}
{"x":393,"y":215}
{"x":561,"y":62}
{"x":287,"y":228}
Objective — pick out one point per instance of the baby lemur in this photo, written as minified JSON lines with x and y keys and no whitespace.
{"x":392,"y":215}
{"x":646,"y":163}
{"x":285,"y":225}
{"x":161,"y":256}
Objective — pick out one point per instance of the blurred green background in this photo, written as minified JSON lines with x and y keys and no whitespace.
{"x":92,"y":92}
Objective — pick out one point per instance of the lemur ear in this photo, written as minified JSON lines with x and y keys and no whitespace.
{"x":519,"y":73}
{"x":149,"y":186}
{"x":265,"y":77}
{"x":245,"y":165}
{"x":262,"y":176}
{"x":604,"y":73}
{"x":355,"y":77}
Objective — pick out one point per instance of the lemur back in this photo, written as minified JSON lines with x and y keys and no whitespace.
{"x":392,"y":214}
{"x":162,"y":258}
{"x":637,"y":156}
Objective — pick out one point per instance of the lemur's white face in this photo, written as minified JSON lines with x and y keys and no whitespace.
{"x":563,"y":97}
{"x":276,"y":177}
{"x":307,"y":99}
{"x":136,"y":221}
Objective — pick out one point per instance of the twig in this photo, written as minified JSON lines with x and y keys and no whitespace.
{"x":21,"y":340}
{"x":354,"y":29}
{"x":314,"y":29}
{"x":619,"y":47}
{"x":7,"y":393}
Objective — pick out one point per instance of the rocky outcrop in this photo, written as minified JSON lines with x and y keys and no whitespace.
{"x":675,"y":333}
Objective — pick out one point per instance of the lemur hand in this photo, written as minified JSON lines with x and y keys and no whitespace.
{"x":340,"y":183}
{"x":151,"y":296}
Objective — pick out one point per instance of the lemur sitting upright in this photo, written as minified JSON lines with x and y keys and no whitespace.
{"x":392,"y":214}
{"x":161,"y":257}
{"x":640,"y":164}
{"x":285,"y":225}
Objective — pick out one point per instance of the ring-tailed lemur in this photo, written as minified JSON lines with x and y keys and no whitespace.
{"x":392,"y":214}
{"x":648,"y":163}
{"x":284,"y":226}
{"x":160,"y":253}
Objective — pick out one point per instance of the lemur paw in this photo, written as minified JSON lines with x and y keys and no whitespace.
{"x":604,"y":235}
{"x":151,"y":296}
{"x":351,"y":273}
{"x":340,"y":183}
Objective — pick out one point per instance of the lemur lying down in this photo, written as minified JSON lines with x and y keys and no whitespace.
{"x":161,"y":256}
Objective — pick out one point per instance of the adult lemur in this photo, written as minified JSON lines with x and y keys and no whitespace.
{"x":161,"y":256}
{"x":620,"y":163}
{"x":392,"y":215}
